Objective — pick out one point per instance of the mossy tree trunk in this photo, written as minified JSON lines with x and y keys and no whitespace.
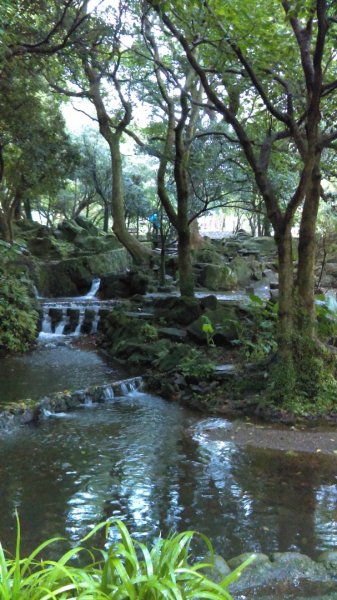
{"x":181,"y":118}
{"x":5,"y":232}
{"x":283,"y":239}
{"x":112,"y":133}
{"x":305,"y":282}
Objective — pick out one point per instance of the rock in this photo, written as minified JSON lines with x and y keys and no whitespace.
{"x":220,"y":568}
{"x":170,"y":360}
{"x":329,"y":560}
{"x":262,"y":246}
{"x":87,"y":225}
{"x":246,"y":269}
{"x":208,"y":254}
{"x":260,"y":558}
{"x":210,"y":302}
{"x":274,"y":295}
{"x":73,"y":276}
{"x":217,"y":277}
{"x":172,"y":333}
{"x":225,"y":371}
{"x":88,"y":244}
{"x":123,"y":285}
{"x":175,"y":309}
{"x":46,"y":247}
{"x":288,"y":575}
{"x":69,"y":230}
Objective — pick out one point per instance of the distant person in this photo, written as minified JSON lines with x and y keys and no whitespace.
{"x":154,"y":220}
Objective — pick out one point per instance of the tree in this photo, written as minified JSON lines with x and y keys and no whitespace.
{"x":283,"y":76}
{"x":36,"y":155}
{"x":29,"y":34}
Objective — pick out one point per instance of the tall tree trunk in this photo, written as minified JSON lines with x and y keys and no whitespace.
{"x":138,"y":251}
{"x":305,"y":282}
{"x":283,"y":241}
{"x":28,"y":208}
{"x":5,"y":232}
{"x":106,"y":217}
{"x":186,"y":278}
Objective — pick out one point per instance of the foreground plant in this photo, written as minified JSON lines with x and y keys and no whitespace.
{"x":128,"y":569}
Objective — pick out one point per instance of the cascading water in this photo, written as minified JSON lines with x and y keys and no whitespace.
{"x":94,"y":289}
{"x":73,"y":316}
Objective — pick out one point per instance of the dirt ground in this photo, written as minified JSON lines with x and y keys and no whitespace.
{"x":273,"y":437}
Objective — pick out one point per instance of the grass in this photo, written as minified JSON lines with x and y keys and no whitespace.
{"x":127,"y":570}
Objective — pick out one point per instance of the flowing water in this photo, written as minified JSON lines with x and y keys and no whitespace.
{"x":53,"y":368}
{"x":143,"y":460}
{"x":153,"y":464}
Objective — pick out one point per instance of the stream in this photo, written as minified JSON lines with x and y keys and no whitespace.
{"x":161,"y":468}
{"x":139,"y":459}
{"x":153,"y":464}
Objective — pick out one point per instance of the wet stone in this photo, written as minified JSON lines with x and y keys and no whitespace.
{"x":329,"y":560}
{"x":288,"y":575}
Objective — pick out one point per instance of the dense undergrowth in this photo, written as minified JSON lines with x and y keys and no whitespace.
{"x":18,"y":315}
{"x":128,"y":569}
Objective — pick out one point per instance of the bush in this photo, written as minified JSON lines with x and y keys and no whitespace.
{"x":128,"y":569}
{"x":18,"y":316}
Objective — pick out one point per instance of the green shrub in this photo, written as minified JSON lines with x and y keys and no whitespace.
{"x":194,"y":364}
{"x":326,"y":312}
{"x":208,"y":329}
{"x":18,"y":316}
{"x":305,"y":384}
{"x":257,"y":335}
{"x":127,"y":570}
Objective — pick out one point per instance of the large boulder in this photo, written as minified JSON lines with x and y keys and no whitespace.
{"x":89,"y":244}
{"x":123,"y":285}
{"x":176,"y":309}
{"x":87,"y":225}
{"x":69,"y":229}
{"x":246,"y":269}
{"x":217,"y":277}
{"x":259,"y":246}
{"x":287,"y":575}
{"x":209,"y":254}
{"x":73,"y":277}
{"x":45,"y":248}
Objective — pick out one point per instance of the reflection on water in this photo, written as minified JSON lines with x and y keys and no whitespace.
{"x":51,"y":369}
{"x":136,"y":460}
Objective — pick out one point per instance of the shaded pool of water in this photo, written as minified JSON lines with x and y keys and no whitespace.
{"x":141,"y":459}
{"x":52,"y":369}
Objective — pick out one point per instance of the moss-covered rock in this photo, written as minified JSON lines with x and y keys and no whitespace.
{"x":124,"y":285}
{"x":246,"y":269}
{"x":179,"y":310}
{"x":73,"y":276}
{"x":217,"y":277}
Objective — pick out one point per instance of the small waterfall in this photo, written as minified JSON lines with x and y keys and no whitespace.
{"x":94,"y":288}
{"x":131,"y":387}
{"x":108,"y":394}
{"x":59,"y":329}
{"x":73,"y":316}
{"x":95,"y":321}
{"x":47,"y":414}
{"x":88,"y":401}
{"x":80,"y":322}
{"x":46,"y":321}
